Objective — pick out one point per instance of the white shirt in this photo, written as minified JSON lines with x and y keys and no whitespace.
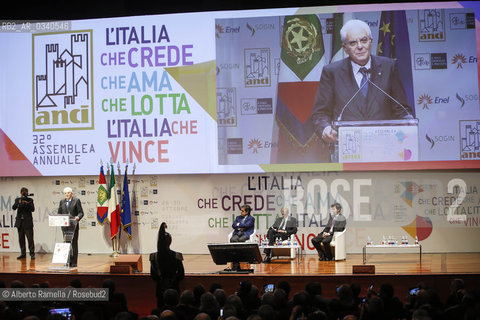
{"x":356,"y":71}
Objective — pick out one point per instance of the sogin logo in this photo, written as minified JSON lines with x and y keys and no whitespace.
{"x":63,"y":81}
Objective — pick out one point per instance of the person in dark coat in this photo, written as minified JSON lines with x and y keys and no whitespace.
{"x":24,"y":223}
{"x":166,"y":266}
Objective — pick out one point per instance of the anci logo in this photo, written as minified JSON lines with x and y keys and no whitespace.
{"x":63,"y":81}
{"x":431,"y":25}
{"x":257,"y":68}
{"x":226,"y":108}
{"x":469,"y":139}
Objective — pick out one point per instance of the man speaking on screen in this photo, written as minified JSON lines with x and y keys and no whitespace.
{"x":361,"y":87}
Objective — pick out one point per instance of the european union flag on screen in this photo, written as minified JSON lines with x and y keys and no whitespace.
{"x":125,"y":212}
{"x":394,"y":42}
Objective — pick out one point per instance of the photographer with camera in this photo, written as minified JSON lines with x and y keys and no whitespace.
{"x":24,"y":222}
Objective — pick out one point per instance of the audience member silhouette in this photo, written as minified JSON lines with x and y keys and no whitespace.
{"x":246,"y":304}
{"x":166,"y":266}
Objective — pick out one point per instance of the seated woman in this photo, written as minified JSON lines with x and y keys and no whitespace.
{"x":243,"y":226}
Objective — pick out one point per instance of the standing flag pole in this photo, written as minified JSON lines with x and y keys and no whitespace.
{"x":102,"y":197}
{"x":125,"y":213}
{"x":108,"y":204}
{"x":118,"y":181}
{"x":134,"y":192}
{"x":113,"y":211}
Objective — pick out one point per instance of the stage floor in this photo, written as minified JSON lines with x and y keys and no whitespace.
{"x":196,"y":264}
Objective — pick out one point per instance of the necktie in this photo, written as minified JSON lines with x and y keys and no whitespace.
{"x":364,"y":82}
{"x":282,"y":225}
{"x":68,"y":204}
{"x":333,"y":223}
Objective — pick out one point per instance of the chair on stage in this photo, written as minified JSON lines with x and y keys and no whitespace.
{"x":339,"y":245}
{"x":252,"y":239}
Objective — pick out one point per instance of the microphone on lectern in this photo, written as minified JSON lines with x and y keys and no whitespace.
{"x":354,"y":95}
{"x":391,"y":98}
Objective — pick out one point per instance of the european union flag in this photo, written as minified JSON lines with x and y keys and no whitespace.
{"x":394,"y":42}
{"x":125,"y":212}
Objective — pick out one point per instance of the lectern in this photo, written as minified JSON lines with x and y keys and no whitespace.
{"x":62,"y":250}
{"x":377,"y":141}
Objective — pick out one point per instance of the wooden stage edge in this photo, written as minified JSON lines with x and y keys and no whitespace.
{"x":403,"y":271}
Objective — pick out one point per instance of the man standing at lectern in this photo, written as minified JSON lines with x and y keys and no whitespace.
{"x":361,"y":87}
{"x":73,"y":207}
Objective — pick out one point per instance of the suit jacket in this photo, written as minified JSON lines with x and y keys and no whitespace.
{"x":337,"y":86}
{"x":248,"y":224}
{"x":74,"y":210}
{"x":25,"y":208}
{"x":339,"y":226}
{"x":290,"y":227}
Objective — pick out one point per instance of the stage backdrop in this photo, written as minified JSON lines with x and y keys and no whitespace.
{"x":440,"y":209}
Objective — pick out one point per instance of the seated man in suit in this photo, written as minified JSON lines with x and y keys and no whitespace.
{"x":282,"y":228}
{"x":336,"y":223}
{"x":243,"y":226}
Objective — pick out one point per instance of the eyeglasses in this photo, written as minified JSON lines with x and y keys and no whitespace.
{"x":355,"y":43}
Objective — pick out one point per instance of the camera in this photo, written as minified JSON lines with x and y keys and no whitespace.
{"x":63,"y":311}
{"x":414,"y":291}
{"x":269,"y":287}
{"x":25,"y":195}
